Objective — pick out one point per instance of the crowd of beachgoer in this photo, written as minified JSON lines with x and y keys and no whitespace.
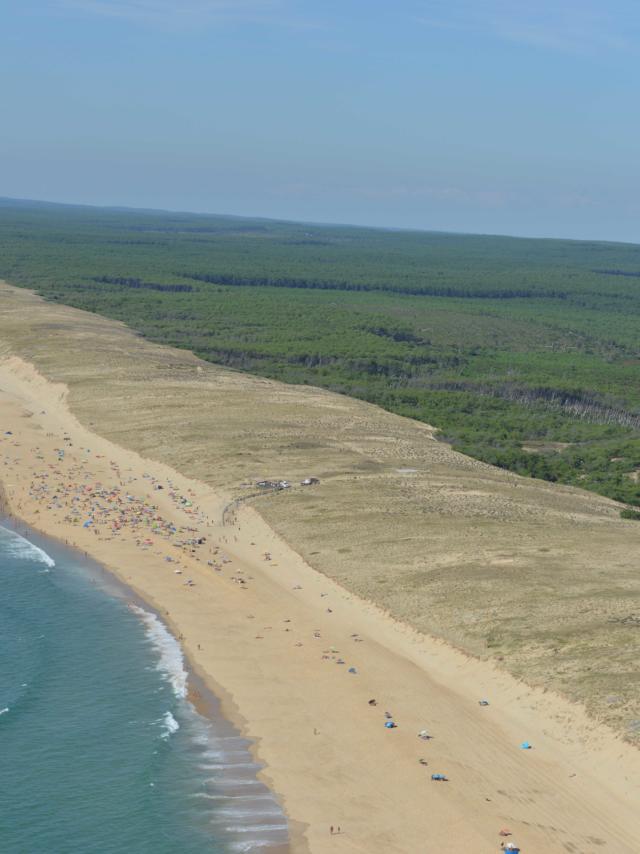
{"x":108,"y":509}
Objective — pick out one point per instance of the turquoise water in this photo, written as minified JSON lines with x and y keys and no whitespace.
{"x":100,"y":749}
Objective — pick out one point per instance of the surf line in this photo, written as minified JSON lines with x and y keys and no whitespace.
{"x":262,"y":826}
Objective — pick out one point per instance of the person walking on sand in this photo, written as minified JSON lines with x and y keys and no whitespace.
{"x":331,"y":830}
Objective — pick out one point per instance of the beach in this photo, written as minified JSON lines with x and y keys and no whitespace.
{"x":103,"y":747}
{"x":297,"y":659}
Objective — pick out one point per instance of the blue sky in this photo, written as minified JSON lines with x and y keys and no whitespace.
{"x":493,"y":116}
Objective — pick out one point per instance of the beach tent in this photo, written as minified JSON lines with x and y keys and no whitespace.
{"x":525,"y":745}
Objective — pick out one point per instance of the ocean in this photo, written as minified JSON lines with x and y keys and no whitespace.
{"x":100,"y":748}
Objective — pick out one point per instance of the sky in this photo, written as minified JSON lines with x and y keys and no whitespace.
{"x":489,"y":116}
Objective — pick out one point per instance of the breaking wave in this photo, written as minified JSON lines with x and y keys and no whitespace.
{"x":170,"y":725}
{"x":171,"y":660}
{"x":21,"y":548}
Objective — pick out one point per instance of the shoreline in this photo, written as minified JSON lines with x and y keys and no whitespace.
{"x":200,"y":695}
{"x":208,"y":696}
{"x":208,"y":699}
{"x":289,"y":709}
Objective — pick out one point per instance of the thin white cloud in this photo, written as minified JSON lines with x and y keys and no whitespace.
{"x":571,"y":26}
{"x":181,"y":13}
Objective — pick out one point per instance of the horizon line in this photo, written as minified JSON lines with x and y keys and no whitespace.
{"x":316,"y":223}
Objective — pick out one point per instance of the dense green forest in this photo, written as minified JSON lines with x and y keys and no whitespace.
{"x":524,"y":353}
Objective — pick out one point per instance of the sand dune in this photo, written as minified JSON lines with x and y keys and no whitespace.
{"x":541,"y":577}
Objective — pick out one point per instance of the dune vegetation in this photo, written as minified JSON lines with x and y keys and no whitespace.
{"x":522,"y":353}
{"x":540,"y":578}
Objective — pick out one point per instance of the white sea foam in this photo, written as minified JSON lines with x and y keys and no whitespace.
{"x":233,"y":812}
{"x":255,"y":827}
{"x":21,"y":548}
{"x":251,"y":846}
{"x":215,"y":738}
{"x":243,"y":806}
{"x":4,"y":711}
{"x":170,"y":725}
{"x":216,"y":766}
{"x":171,"y":660}
{"x":233,"y":797}
{"x":224,"y":754}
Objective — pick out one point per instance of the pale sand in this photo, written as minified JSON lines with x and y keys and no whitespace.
{"x":541,"y":578}
{"x":327,"y":753}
